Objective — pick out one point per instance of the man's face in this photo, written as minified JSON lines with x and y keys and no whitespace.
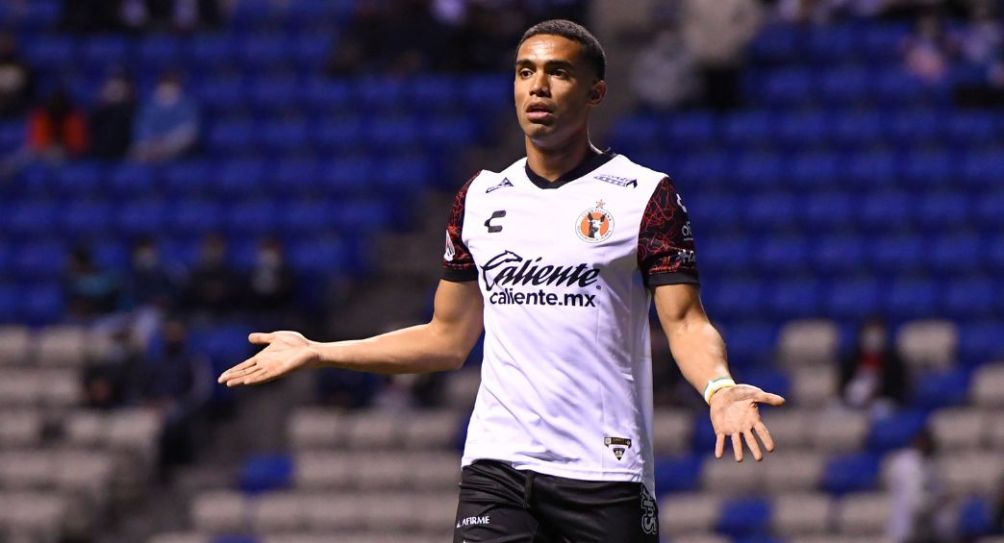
{"x":554,"y":89}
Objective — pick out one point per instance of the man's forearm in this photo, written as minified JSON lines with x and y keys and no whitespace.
{"x":417,"y":349}
{"x":699,"y":351}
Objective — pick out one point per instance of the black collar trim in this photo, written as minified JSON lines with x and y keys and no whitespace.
{"x":592,"y":161}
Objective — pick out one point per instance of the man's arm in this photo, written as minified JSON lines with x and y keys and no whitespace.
{"x":441,"y":344}
{"x":700,"y":353}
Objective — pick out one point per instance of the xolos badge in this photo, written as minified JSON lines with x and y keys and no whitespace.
{"x":595,"y":224}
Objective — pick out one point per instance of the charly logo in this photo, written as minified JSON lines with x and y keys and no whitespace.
{"x":501,"y":185}
{"x":451,"y":251}
{"x":649,"y":513}
{"x":595,"y":224}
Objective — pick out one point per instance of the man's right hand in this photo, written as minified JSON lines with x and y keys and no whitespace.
{"x":286,"y":352}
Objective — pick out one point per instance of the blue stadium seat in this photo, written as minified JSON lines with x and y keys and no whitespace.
{"x":853,"y":299}
{"x":101,"y":51}
{"x":41,"y":304}
{"x":240,"y":178}
{"x":787,"y":87}
{"x":851,"y":473}
{"x":795,"y":299}
{"x":440,"y":132}
{"x":742,"y":517}
{"x":331,"y":135}
{"x":234,"y":137}
{"x":243,"y":250}
{"x":225,"y":93}
{"x":39,"y":259}
{"x":708,"y":168}
{"x":898,"y":252}
{"x":10,"y":302}
{"x":402,"y":176}
{"x":871,"y":170}
{"x":803,"y":130}
{"x":79,"y":179}
{"x":260,"y":50}
{"x":994,"y":254}
{"x":815,"y":171}
{"x":782,"y":253}
{"x":84,"y":218}
{"x":989,"y":210}
{"x":12,"y":133}
{"x":142,"y":217}
{"x":194,"y":216}
{"x":968,"y":128}
{"x":321,"y":94}
{"x":972,"y":297}
{"x":753,"y":341}
{"x":391,"y":132}
{"x":50,"y":52}
{"x":691,"y":129}
{"x":346,"y":176}
{"x":211,"y":51}
{"x":749,"y":128}
{"x":308,"y":216}
{"x":251,"y":217}
{"x":187,"y":177}
{"x":896,"y":430}
{"x":111,"y":254}
{"x":361,"y":216}
{"x":755,"y":170}
{"x":856,"y":130}
{"x":294,"y":176}
{"x":896,"y":87}
{"x":677,"y":474}
{"x":487,"y":91}
{"x":983,"y":168}
{"x":935,"y":390}
{"x":383,"y":93}
{"x":910,"y":127}
{"x":161,"y":52}
{"x":30,"y":218}
{"x":880,"y":43}
{"x":940,"y":211}
{"x":981,"y":341}
{"x":976,"y":519}
{"x":885,"y":210}
{"x":733,"y":299}
{"x":273,"y":92}
{"x":284,"y":136}
{"x":182,"y":251}
{"x":928,"y":169}
{"x":637,"y":133}
{"x":768,"y":378}
{"x":912,"y":299}
{"x":844,"y":86}
{"x":129,"y":179}
{"x":725,"y":253}
{"x":318,"y":256}
{"x":778,"y":44}
{"x":770,"y":210}
{"x":839,"y":254}
{"x":952,"y":251}
{"x":821,"y":211}
{"x":437,"y":91}
{"x":833,"y":43}
{"x":311,"y":49}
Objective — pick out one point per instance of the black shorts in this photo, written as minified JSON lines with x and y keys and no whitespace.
{"x":499,"y":504}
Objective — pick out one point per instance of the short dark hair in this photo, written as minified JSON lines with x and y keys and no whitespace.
{"x":592,"y":51}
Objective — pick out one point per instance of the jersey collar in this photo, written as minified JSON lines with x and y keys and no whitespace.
{"x":593,"y":160}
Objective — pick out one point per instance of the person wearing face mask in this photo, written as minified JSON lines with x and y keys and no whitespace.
{"x":17,"y":81}
{"x":112,"y":119}
{"x":212,"y":288}
{"x":168,"y":125}
{"x":272,"y":283}
{"x":152,"y":283}
{"x":57,"y":129}
{"x":874,"y":375}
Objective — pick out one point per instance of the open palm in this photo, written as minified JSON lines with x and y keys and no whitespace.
{"x":734,"y":413}
{"x":285,"y":352}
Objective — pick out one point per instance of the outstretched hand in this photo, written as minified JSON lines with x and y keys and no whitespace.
{"x":285,"y":352}
{"x":734,"y":413}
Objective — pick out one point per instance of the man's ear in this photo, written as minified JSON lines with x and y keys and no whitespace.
{"x":597,"y":93}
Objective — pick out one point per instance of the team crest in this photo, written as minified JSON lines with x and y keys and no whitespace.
{"x":595,"y":225}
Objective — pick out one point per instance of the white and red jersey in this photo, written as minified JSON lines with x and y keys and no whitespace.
{"x":565,"y":269}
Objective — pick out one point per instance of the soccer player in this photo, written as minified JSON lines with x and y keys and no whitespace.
{"x":557,"y":257}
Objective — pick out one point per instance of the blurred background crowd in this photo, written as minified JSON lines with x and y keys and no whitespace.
{"x":177,"y":173}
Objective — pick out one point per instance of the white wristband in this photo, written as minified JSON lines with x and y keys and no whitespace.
{"x":715,"y":385}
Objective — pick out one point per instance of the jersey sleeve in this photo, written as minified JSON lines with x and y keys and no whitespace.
{"x":666,"y":253}
{"x":458,"y":264}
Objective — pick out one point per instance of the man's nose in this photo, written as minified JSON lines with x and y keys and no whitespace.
{"x":540,"y":85}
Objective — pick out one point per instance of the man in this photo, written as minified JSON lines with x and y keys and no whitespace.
{"x":559,"y":447}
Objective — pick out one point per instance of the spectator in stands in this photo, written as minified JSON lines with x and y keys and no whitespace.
{"x":180,"y":15}
{"x":177,"y":383}
{"x":927,"y":51}
{"x":716,"y":32}
{"x":90,"y":291}
{"x":152,"y":283}
{"x":874,"y":376}
{"x":57,"y":129}
{"x":919,"y":501}
{"x":91,"y":15}
{"x":664,"y":76}
{"x":168,"y":125}
{"x":17,"y":80}
{"x":111,"y":121}
{"x":213,"y":287}
{"x":108,"y":381}
{"x":272,"y":283}
{"x":983,"y":39}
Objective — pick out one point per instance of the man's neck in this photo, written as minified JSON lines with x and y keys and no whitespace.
{"x":552,"y":163}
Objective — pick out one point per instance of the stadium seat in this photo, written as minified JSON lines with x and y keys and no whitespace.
{"x":277,"y":512}
{"x":736,"y":298}
{"x":789,"y":87}
{"x":85,"y":219}
{"x":973,"y":472}
{"x":677,"y":473}
{"x":863,"y":514}
{"x":727,"y":477}
{"x":839,"y":431}
{"x":851,"y":473}
{"x":803,"y":131}
{"x":783,"y":253}
{"x":672,"y":431}
{"x":791,"y":471}
{"x":99,"y":52}
{"x":39,"y":259}
{"x":142,"y":217}
{"x":763,"y":172}
{"x":941,"y":388}
{"x":838,"y":255}
{"x":219,"y":512}
{"x":158,"y":51}
{"x":744,"y":517}
{"x":976,"y":518}
{"x":814,"y":386}
{"x":131,"y":180}
{"x":284,"y":136}
{"x":982,"y":168}
{"x":30,"y":218}
{"x":928,"y":343}
{"x":852,"y":298}
{"x":871,"y":171}
{"x":688,"y":513}
{"x":885,"y":211}
{"x":691,"y":129}
{"x":988,"y":386}
{"x":959,"y":429}
{"x":951,"y":249}
{"x":970,"y":298}
{"x":980,"y":341}
{"x":800,"y":514}
{"x":251,"y":217}
{"x":912,"y":299}
{"x":896,"y":430}
{"x":748,"y":128}
{"x":795,"y":299}
{"x":316,"y":428}
{"x":790,"y":426}
{"x":845,"y":86}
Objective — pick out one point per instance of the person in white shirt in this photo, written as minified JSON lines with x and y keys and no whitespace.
{"x":557,"y":258}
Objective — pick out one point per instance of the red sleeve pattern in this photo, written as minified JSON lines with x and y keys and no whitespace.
{"x":458,"y":264}
{"x":666,"y":254}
